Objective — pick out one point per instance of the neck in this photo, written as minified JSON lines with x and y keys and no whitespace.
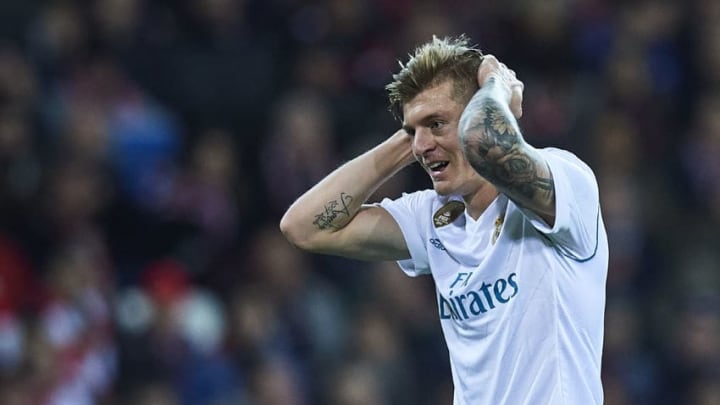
{"x":477,"y":202}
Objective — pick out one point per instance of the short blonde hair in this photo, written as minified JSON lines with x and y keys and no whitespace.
{"x":431,"y":64}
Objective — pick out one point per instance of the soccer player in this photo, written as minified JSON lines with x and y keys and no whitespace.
{"x":512,"y":235}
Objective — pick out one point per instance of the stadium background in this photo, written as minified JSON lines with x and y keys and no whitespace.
{"x":148,"y":149}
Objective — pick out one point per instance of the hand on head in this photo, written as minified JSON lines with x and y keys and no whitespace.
{"x":506,"y":81}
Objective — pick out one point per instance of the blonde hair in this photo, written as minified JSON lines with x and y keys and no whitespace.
{"x":431,"y":64}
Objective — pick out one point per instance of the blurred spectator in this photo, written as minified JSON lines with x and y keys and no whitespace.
{"x":299,"y":151}
{"x":207,"y":194}
{"x":355,"y":385}
{"x":700,"y":155}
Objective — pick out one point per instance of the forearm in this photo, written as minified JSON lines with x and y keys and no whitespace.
{"x":332,"y":203}
{"x":492,"y":142}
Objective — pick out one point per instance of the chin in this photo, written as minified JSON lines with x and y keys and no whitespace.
{"x":442,"y":189}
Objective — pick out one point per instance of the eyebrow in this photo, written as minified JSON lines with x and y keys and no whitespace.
{"x":424,"y":120}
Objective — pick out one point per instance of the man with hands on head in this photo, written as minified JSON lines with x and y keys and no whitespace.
{"x":512,"y":235}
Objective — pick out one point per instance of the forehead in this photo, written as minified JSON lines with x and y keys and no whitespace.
{"x":435,"y":100}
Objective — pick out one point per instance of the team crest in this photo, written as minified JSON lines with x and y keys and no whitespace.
{"x":448,"y":213}
{"x":498,"y":226}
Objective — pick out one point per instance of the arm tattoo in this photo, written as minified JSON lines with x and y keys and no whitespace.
{"x":332,"y":211}
{"x":492,"y":144}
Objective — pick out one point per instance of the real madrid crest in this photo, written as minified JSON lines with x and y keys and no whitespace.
{"x":498,"y":226}
{"x":448,"y":213}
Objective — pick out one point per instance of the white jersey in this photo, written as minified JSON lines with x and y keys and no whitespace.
{"x":521,"y":304}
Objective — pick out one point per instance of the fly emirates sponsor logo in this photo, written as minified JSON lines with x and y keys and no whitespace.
{"x":473,"y":303}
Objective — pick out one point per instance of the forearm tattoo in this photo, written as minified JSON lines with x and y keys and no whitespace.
{"x":492,"y":144}
{"x":334,"y":213}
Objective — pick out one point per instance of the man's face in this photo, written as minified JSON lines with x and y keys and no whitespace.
{"x":431,"y":118}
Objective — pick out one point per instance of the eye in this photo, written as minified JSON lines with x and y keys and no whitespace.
{"x":437,"y":124}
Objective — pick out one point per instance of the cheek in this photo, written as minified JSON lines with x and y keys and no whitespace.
{"x":415,"y":150}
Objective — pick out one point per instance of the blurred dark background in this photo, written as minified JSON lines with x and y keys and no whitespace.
{"x":149,"y":148}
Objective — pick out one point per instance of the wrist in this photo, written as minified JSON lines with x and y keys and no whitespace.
{"x":397,"y":150}
{"x":494,"y":87}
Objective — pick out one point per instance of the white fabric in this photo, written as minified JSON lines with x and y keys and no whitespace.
{"x":522,"y":317}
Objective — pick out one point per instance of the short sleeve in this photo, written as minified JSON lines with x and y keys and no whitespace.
{"x":577,"y":206}
{"x":408,"y":213}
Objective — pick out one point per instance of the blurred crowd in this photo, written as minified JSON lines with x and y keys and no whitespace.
{"x":149,"y":148}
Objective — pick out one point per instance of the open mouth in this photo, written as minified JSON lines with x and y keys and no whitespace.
{"x":437,"y":167}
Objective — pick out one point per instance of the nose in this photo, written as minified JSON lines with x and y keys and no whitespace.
{"x":423,"y":142}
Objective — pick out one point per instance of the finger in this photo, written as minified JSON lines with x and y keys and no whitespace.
{"x":516,"y":100}
{"x":488,"y":65}
{"x":489,"y":58}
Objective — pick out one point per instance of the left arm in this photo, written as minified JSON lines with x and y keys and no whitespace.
{"x":492,"y":142}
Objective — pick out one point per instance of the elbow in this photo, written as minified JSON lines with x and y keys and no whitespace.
{"x":294,"y":233}
{"x":289,"y":229}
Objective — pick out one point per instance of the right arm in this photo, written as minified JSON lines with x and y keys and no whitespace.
{"x":331,"y":217}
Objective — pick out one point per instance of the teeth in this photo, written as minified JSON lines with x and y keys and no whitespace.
{"x":435,"y":165}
